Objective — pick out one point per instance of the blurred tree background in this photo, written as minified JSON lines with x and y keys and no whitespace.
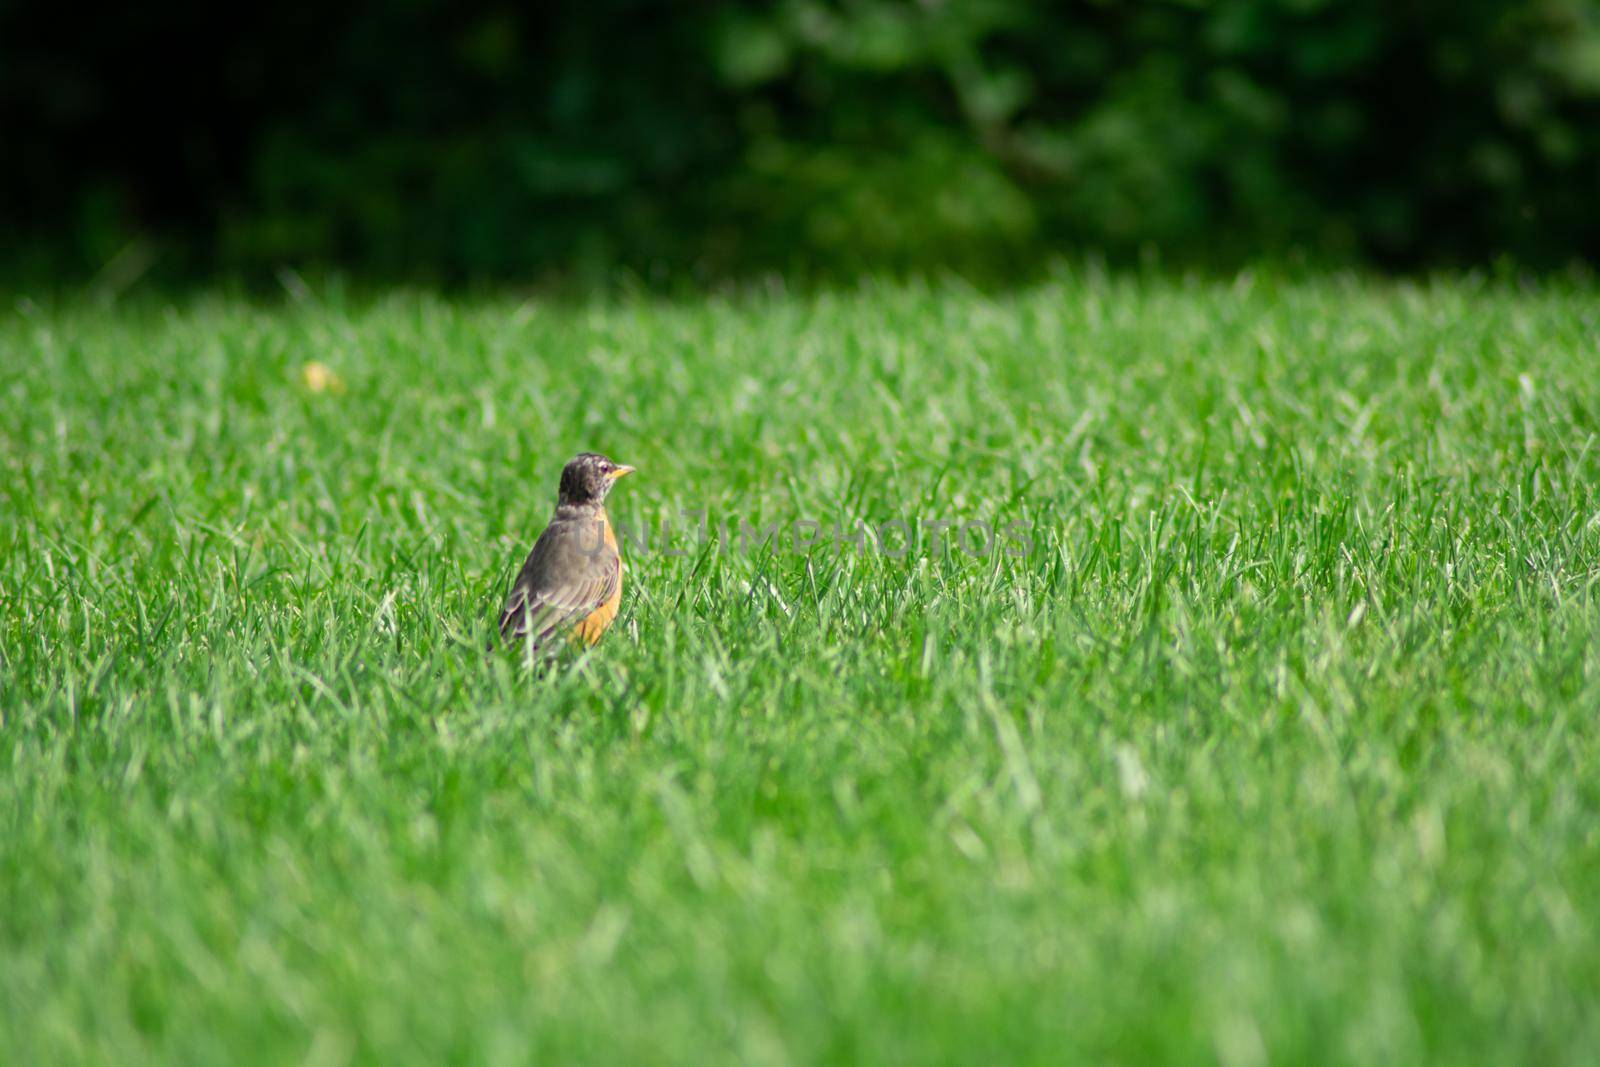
{"x":451,"y":141}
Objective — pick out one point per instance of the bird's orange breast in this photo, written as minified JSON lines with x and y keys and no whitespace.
{"x":599,"y":620}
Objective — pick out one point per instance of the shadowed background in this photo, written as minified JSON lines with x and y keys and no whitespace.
{"x":461,"y":141}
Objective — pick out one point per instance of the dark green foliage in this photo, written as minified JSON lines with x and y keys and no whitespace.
{"x":481,"y":140}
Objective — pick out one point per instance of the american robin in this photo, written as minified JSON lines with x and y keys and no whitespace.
{"x":572,"y":580}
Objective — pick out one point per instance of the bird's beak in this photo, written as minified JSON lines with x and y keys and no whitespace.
{"x":621,"y":471}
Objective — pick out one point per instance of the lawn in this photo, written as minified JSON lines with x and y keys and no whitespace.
{"x":1273,"y":740}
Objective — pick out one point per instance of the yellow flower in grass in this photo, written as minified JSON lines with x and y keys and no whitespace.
{"x":318,"y":377}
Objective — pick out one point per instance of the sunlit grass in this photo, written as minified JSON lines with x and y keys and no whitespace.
{"x":1278,"y":746}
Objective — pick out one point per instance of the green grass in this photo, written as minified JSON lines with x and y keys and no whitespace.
{"x":1279,"y":747}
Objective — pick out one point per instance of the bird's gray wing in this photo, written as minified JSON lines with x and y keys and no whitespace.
{"x":570,"y":572}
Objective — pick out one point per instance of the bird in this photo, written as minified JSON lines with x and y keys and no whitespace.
{"x":571,"y":583}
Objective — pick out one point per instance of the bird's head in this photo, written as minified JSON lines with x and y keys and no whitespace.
{"x":588,"y":478}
